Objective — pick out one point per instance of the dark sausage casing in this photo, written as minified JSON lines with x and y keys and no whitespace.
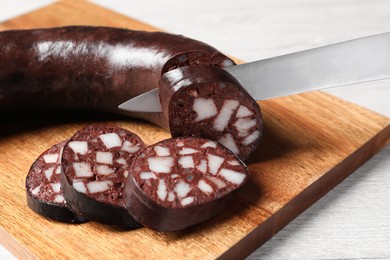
{"x":208,"y":102}
{"x":91,"y":68}
{"x":180,"y":182}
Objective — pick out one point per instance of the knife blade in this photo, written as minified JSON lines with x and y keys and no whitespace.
{"x":345,"y":63}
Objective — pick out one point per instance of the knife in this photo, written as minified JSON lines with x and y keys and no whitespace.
{"x":350,"y":62}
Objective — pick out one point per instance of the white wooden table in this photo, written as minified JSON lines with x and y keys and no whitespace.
{"x":353,"y":220}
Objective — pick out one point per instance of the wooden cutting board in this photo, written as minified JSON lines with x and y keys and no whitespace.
{"x":311,"y":143}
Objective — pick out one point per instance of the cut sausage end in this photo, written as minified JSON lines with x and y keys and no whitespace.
{"x":221,"y":110}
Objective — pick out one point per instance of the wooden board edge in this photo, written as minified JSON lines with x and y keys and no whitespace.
{"x":307,"y":197}
{"x":99,"y":11}
{"x":14,"y":247}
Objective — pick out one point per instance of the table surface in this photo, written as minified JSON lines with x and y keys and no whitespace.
{"x":353,"y":220}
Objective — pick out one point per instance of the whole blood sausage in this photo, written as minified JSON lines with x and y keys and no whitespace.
{"x":44,"y":193}
{"x":208,"y":102}
{"x":98,"y":68}
{"x":94,"y":165}
{"x":91,"y":68}
{"x":180,"y":182}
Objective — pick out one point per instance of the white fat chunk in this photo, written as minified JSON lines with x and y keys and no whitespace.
{"x":147,"y":175}
{"x":203,"y":186}
{"x":59,"y":199}
{"x":58,"y":170}
{"x":79,"y":147}
{"x":50,"y":158}
{"x":79,"y":186}
{"x":160,"y":164}
{"x":222,"y":120}
{"x":187,"y":201}
{"x":56,"y":187}
{"x":125,"y":174}
{"x":234,"y":163}
{"x":62,"y":149}
{"x":209,"y":144}
{"x":204,"y":108}
{"x":121,"y":161}
{"x":243,"y":111}
{"x":129,"y":147}
{"x":215,"y":163}
{"x":162,"y":190}
{"x":104,"y":157}
{"x":174,"y":176}
{"x":251,"y":138}
{"x":111,"y":140}
{"x":104,"y":170}
{"x":48,"y":173}
{"x":180,"y":144}
{"x":220,"y":184}
{"x":202,"y":166}
{"x":82,"y":169}
{"x":228,"y":141}
{"x":232,"y":176}
{"x":171,"y":196}
{"x":99,"y":186}
{"x":182,"y":188}
{"x":243,"y":125}
{"x":186,"y":162}
{"x":36,"y":190}
{"x":186,"y":150}
{"x":242,"y":133}
{"x":162,"y":151}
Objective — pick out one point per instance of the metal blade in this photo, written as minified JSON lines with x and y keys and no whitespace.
{"x":356,"y":61}
{"x":345,"y":63}
{"x":146,"y":102}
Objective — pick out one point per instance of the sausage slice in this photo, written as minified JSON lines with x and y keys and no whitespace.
{"x":43,"y":188}
{"x":95,"y":164}
{"x":180,"y":182}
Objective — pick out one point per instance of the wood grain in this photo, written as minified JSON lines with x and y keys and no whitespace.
{"x":311,"y":142}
